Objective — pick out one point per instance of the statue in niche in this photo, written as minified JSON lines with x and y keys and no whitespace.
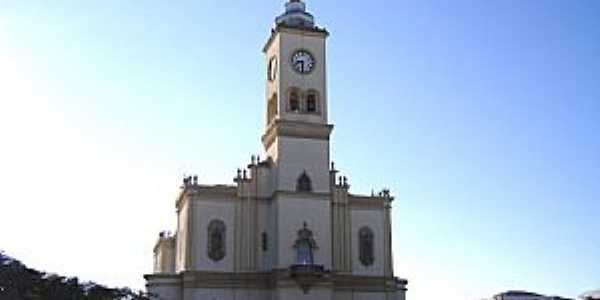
{"x":216,"y":240}
{"x":305,"y":246}
{"x":366,"y":246}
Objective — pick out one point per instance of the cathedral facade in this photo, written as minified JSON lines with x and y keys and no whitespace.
{"x":288,"y":228}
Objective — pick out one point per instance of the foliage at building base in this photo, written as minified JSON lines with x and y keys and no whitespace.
{"x":18,"y":282}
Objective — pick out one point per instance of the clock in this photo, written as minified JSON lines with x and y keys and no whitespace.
{"x":272,"y":69}
{"x":303,"y":62}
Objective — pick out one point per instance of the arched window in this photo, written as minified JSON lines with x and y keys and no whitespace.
{"x":216,"y":240}
{"x":294,"y":104}
{"x":272,"y":109}
{"x":312,"y":102}
{"x":304,"y":184}
{"x":265,"y":242}
{"x":366,"y":246}
{"x":305,"y":246}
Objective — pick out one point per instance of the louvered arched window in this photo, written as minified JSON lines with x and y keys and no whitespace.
{"x":312,"y":102}
{"x":272,"y":109}
{"x":304,"y":184}
{"x":294,"y":101}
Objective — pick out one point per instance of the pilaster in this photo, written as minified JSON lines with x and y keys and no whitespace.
{"x":341,"y":224}
{"x":388,"y":263}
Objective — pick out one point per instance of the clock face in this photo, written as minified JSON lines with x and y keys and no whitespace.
{"x":303,"y":62}
{"x":272,"y":71}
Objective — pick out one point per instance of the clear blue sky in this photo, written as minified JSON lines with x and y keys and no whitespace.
{"x":483,"y":117}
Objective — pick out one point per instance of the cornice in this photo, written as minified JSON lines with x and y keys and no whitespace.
{"x":366,"y":203}
{"x":163,"y":280}
{"x":202,"y":192}
{"x":278,"y":277}
{"x":296,"y":129}
{"x":315,"y":31}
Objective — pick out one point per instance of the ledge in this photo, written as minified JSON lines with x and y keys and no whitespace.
{"x":278,"y":277}
{"x":296,"y":129}
{"x":314,"y":31}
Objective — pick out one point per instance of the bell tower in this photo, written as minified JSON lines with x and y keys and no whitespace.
{"x":297,"y":132}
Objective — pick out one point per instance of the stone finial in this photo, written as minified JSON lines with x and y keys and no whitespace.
{"x":253,"y":160}
{"x":386,"y":193}
{"x":239,"y":173}
{"x":245,"y":175}
{"x":187,"y":181}
{"x":195,"y":180}
{"x":345,"y":181}
{"x":340,"y":180}
{"x":332,"y":166}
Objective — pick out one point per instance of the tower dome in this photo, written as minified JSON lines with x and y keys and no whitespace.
{"x":296,"y":16}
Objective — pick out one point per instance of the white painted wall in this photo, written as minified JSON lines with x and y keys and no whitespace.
{"x":368,"y":296}
{"x":265,"y":259}
{"x":400,"y":295}
{"x":272,"y":87}
{"x":297,"y":155}
{"x":373,"y":219}
{"x":164,"y":289}
{"x":226,"y":294}
{"x":342,"y":295}
{"x":204,"y":212}
{"x":295,"y":293}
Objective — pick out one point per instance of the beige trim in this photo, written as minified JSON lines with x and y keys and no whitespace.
{"x":296,"y":129}
{"x":304,"y":195}
{"x":365,"y":283}
{"x":366,"y":203}
{"x":274,"y":279}
{"x":227,"y":280}
{"x":318,"y":32}
{"x":162,"y":280}
{"x":302,"y":31}
{"x":205,"y":192}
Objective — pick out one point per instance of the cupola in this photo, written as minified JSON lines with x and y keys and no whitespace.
{"x":296,"y":16}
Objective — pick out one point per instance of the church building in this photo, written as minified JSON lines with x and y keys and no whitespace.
{"x":288,"y":228}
